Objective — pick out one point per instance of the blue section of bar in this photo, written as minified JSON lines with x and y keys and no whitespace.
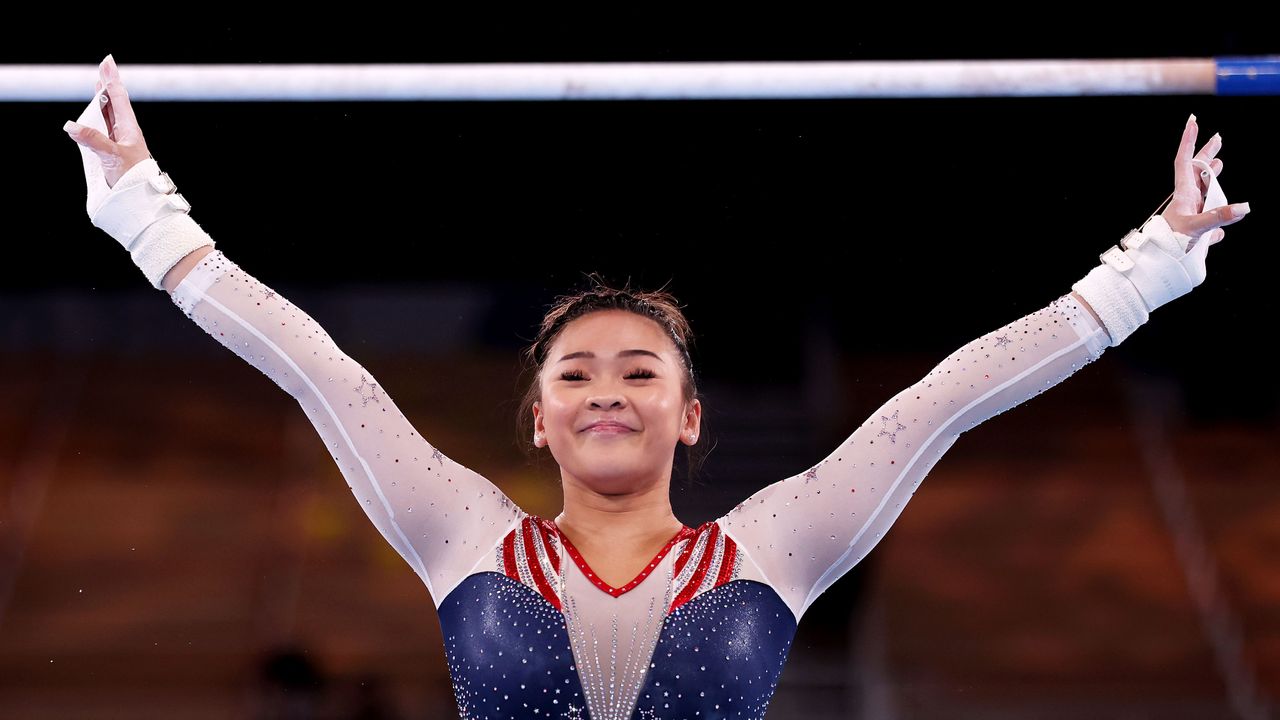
{"x":1248,"y":75}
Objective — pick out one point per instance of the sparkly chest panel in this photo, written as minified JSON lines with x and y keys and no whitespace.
{"x":564,"y":646}
{"x":718,"y":655}
{"x":508,"y":651}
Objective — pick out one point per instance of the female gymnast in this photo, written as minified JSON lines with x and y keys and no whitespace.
{"x":615,"y":608}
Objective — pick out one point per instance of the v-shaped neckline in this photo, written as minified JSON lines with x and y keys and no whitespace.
{"x":684,"y":532}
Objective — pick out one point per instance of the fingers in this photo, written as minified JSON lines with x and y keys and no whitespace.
{"x":1186,"y":191}
{"x":108,"y":71}
{"x":121,"y":120}
{"x":1204,"y":179}
{"x":1206,"y":155}
{"x":1187,"y":145}
{"x":1211,"y":148}
{"x":1197,"y":225}
{"x":1190,"y":183}
{"x":109,"y":116}
{"x":90,"y":138}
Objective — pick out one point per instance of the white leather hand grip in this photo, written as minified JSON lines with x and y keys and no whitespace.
{"x":143,"y":211}
{"x":1156,"y":266}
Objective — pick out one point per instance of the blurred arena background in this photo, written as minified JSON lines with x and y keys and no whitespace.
{"x":176,"y":542}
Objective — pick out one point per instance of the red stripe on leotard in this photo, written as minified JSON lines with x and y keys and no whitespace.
{"x":727,"y":563}
{"x":686,"y":593}
{"x":687,"y":552}
{"x":549,"y":533}
{"x":535,"y":567}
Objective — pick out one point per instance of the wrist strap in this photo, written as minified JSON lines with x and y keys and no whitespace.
{"x":1151,"y":261}
{"x":145,"y":213}
{"x":140,"y":197}
{"x":1148,"y":268}
{"x":1115,"y":299}
{"x":164,"y":243}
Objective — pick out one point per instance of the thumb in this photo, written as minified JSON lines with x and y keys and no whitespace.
{"x":90,"y":138}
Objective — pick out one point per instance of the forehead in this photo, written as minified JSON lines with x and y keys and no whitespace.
{"x":605,"y":332}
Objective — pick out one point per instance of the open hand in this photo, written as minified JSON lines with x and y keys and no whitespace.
{"x":124,"y":147}
{"x":1185,"y":210}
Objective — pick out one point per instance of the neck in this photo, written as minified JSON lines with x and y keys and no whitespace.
{"x":617,"y":518}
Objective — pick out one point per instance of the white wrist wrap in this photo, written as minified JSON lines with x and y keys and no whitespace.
{"x":164,"y":243}
{"x":142,"y":211}
{"x":1115,"y":299}
{"x":138,"y":199}
{"x":1156,"y":266}
{"x":150,"y":219}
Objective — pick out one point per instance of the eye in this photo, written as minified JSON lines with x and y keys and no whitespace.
{"x":638,"y":374}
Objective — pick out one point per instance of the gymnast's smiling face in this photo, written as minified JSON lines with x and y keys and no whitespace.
{"x":620,"y":367}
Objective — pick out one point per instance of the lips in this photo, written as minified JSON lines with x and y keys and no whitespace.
{"x":607,"y":426}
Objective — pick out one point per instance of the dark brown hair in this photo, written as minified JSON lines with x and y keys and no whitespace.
{"x":657,"y":305}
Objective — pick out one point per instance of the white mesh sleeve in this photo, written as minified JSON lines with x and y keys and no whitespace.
{"x":439,"y":515}
{"x":806,"y":531}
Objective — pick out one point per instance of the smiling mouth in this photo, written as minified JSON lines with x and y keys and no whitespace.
{"x":608,"y":429}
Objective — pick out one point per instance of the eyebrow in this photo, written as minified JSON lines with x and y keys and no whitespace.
{"x":623,"y":353}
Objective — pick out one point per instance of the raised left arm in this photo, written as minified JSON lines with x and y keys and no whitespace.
{"x":808,"y":530}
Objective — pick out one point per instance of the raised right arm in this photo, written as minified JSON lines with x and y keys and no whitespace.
{"x":439,"y":515}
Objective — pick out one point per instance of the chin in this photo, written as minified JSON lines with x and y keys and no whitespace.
{"x":613,"y":479}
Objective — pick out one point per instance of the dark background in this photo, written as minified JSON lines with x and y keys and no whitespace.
{"x":888,"y":232}
{"x":841,"y":208}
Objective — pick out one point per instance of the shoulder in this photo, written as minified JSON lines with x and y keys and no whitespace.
{"x":709,"y":559}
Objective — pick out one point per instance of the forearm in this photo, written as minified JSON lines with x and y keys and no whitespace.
{"x":179,"y":271}
{"x":806,"y":531}
{"x":418,"y":498}
{"x":1091,"y":312}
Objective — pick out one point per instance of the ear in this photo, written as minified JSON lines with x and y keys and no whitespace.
{"x":539,"y":428}
{"x":692,"y":422}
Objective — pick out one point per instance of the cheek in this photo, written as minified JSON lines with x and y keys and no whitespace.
{"x":556,"y":411}
{"x":666,"y":409}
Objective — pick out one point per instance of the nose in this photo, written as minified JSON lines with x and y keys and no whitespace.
{"x":607,"y":401}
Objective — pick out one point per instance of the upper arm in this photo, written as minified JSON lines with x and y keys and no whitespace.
{"x":438,"y":514}
{"x":806,"y":531}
